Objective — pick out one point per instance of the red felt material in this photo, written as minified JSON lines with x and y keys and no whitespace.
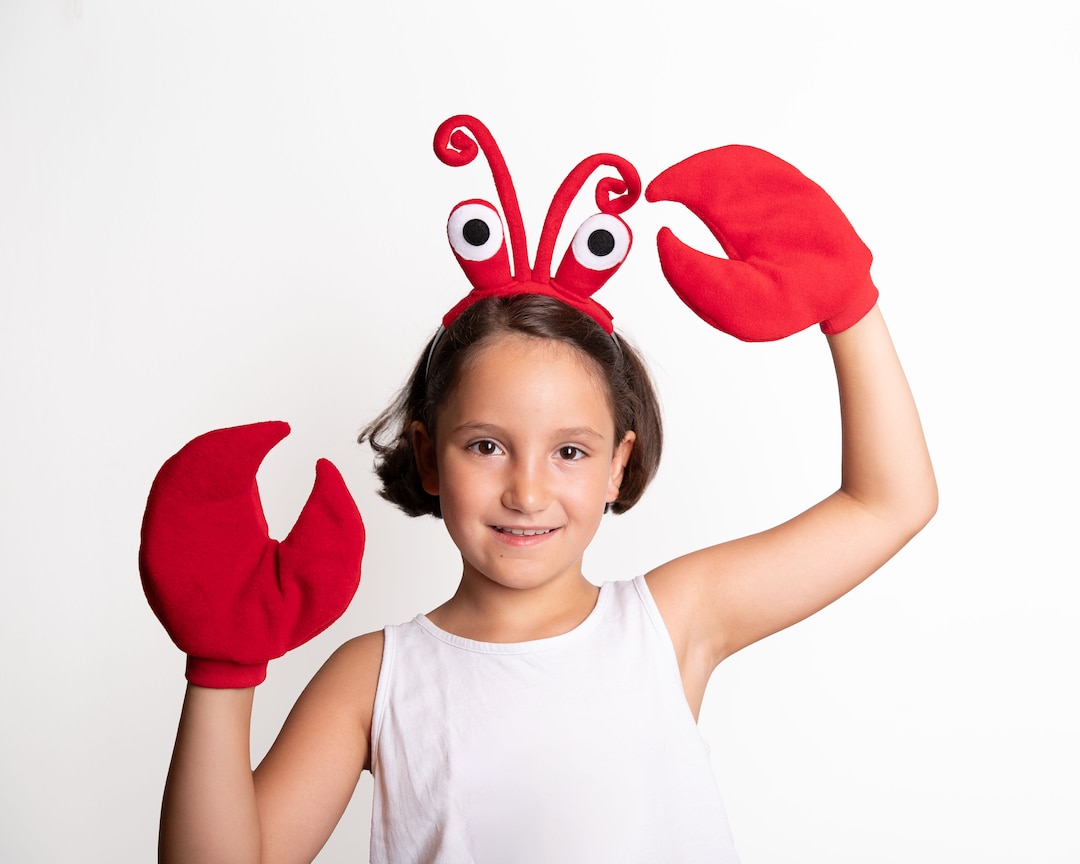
{"x":229,"y":596}
{"x":793,"y":258}
{"x":457,"y":142}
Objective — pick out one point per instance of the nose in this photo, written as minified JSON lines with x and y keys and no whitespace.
{"x":527,"y":488}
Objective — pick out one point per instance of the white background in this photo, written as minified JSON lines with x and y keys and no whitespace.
{"x":219,"y":212}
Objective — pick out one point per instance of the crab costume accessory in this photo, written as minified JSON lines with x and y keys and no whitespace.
{"x":229,"y":596}
{"x":479,"y":242}
{"x":793,"y":258}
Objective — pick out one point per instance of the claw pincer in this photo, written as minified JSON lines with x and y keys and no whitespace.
{"x":793,"y":258}
{"x":230,"y":596}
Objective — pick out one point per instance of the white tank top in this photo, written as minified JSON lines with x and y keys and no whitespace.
{"x":577,"y":748}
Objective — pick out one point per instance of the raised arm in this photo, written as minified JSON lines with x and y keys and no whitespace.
{"x":208,"y":812}
{"x":233,"y":599}
{"x":794,"y":261}
{"x":215,"y":809}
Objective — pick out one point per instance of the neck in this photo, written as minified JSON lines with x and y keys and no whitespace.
{"x":486,"y":611}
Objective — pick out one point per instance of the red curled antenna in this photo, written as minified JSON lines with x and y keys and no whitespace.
{"x":455,"y":148}
{"x":613,"y":196}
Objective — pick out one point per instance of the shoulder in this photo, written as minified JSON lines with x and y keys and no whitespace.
{"x":682,"y":590}
{"x":327,"y":733}
{"x":362,"y":651}
{"x":342,"y":693}
{"x":354,"y":667}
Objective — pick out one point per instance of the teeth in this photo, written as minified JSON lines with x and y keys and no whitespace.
{"x":525,"y":532}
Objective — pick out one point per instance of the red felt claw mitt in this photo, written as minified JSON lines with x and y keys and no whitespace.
{"x":793,"y":257}
{"x":230,"y":597}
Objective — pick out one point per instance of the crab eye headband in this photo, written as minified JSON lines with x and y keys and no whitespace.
{"x":478,"y":239}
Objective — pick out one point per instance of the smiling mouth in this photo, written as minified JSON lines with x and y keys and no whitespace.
{"x":523,"y":532}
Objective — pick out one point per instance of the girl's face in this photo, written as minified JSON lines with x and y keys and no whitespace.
{"x":523,"y":461}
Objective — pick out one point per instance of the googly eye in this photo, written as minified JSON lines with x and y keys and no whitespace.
{"x":601,"y":242}
{"x":475,"y":231}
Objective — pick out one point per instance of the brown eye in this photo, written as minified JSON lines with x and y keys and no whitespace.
{"x":570,"y":454}
{"x":485,"y":448}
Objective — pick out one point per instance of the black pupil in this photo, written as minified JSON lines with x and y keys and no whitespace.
{"x":476,"y":232}
{"x":601,"y":242}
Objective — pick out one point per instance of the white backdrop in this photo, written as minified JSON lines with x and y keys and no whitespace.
{"x":219,"y":212}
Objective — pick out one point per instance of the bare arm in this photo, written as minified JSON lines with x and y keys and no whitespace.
{"x":208,"y":812}
{"x":215,"y":809}
{"x":718,"y":600}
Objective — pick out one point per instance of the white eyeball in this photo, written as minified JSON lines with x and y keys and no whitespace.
{"x":475,"y":231}
{"x":601,"y":242}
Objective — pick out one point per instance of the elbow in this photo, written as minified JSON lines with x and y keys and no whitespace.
{"x":932,"y":499}
{"x":905,"y":507}
{"x":929,"y":509}
{"x":922,"y":505}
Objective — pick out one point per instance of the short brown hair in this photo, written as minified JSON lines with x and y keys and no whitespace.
{"x":631,"y":394}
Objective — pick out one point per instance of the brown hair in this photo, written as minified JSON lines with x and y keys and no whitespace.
{"x":631,"y":395}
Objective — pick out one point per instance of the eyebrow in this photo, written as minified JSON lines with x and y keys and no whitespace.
{"x":576,"y":433}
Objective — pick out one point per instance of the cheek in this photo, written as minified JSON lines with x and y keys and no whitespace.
{"x":462,"y":489}
{"x":593,"y":488}
{"x":455,"y":515}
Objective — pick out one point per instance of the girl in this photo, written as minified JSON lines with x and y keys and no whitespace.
{"x":536,"y":717}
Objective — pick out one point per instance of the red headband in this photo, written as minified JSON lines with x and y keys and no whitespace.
{"x":476,"y":233}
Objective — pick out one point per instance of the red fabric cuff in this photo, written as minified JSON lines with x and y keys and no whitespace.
{"x":224,"y":674}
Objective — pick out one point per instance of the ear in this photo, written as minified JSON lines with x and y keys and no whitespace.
{"x":424,"y":450}
{"x":618,"y":465}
